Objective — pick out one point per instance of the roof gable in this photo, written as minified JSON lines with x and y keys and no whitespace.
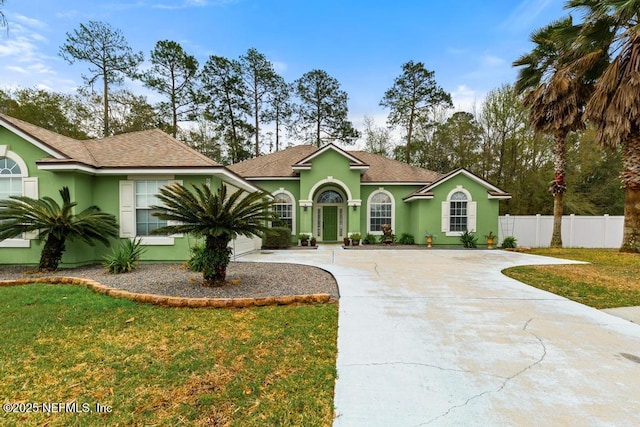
{"x":426,"y":192}
{"x":352,"y":159}
{"x":377,"y":169}
{"x":144,"y":149}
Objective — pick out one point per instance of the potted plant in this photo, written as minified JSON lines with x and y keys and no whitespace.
{"x":429,"y":237}
{"x":313,"y":241}
{"x":345,"y":241}
{"x":355,"y":239}
{"x":490,"y":239}
{"x":387,"y":234}
{"x":304,"y":239}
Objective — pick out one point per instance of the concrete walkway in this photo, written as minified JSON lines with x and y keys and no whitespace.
{"x":442,"y":338}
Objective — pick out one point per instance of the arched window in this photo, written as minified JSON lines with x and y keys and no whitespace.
{"x":380,"y":211}
{"x":458,"y":212}
{"x":330,"y":196}
{"x":284,"y":207}
{"x":10,"y":178}
{"x":15,"y":181}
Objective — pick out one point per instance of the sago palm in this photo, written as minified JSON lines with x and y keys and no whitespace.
{"x":55,"y":223}
{"x":218,"y":217}
{"x":612,"y":26}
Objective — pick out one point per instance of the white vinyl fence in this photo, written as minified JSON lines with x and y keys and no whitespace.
{"x":577,"y":231}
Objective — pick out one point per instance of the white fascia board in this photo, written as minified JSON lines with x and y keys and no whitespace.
{"x":384,"y":183}
{"x":222,"y":172}
{"x":273,"y":178}
{"x":301,"y":167}
{"x":418,"y":197}
{"x":468,"y":174}
{"x":505,"y":197}
{"x":47,"y":149}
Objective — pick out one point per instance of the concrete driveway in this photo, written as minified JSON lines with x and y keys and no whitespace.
{"x":441,"y":337}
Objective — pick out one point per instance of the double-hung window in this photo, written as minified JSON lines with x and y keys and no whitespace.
{"x":380,"y":211}
{"x":146,"y":196}
{"x":136,"y":216}
{"x":283,"y":206}
{"x":458,"y":212}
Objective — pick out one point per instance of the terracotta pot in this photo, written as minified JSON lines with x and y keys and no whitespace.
{"x":429,"y":241}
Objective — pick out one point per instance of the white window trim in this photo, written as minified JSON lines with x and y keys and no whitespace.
{"x":127,"y":196}
{"x":29,"y":189}
{"x":393,"y":211}
{"x":471,"y":213}
{"x":294,"y":208}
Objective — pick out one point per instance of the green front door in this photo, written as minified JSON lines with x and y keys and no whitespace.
{"x":329,"y":223}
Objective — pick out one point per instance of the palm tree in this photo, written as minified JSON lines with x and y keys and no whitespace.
{"x":556,"y":98}
{"x":614,"y":107}
{"x":217,"y":217}
{"x":56,"y":224}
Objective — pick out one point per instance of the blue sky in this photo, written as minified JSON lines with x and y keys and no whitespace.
{"x":470,"y":44}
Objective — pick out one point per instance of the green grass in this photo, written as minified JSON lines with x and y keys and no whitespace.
{"x":612,"y":279}
{"x":165,"y":366}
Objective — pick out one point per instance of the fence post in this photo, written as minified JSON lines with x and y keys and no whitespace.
{"x":538,"y":218}
{"x":571,"y":218}
{"x":605,"y":230}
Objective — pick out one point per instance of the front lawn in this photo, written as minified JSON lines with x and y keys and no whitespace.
{"x":612,"y":279}
{"x":163,"y":366}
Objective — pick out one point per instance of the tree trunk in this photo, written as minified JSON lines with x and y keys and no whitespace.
{"x":105,"y":101}
{"x":558,"y":186}
{"x":556,"y":235}
{"x":51,"y":253}
{"x":217,"y":257}
{"x":407,"y":152}
{"x":256,"y":109}
{"x":631,"y":181}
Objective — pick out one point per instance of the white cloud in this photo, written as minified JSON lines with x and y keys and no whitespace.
{"x":279,"y":66}
{"x":465,"y":99}
{"x":29,"y":22}
{"x":493,"y":61}
{"x":524,"y":15}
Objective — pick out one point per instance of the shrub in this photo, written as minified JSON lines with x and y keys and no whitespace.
{"x":369,"y":239}
{"x":197,"y":261}
{"x":509,"y":242}
{"x":124,"y":257}
{"x":406,"y":239}
{"x":384,"y":238}
{"x":277,"y":238}
{"x":469,"y":239}
{"x":356,"y":236}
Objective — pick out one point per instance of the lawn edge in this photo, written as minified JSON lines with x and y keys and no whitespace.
{"x":172,"y":301}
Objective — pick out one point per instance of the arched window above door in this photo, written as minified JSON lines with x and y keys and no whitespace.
{"x":330,"y":196}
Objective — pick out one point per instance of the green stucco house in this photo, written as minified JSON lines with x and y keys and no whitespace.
{"x":331,"y":193}
{"x":119,"y":174}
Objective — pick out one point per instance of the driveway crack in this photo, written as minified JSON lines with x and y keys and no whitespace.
{"x":504,"y":383}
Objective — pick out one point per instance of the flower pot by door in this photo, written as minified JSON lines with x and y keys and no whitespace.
{"x":429,"y":241}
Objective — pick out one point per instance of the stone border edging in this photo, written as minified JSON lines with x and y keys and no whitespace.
{"x":168,"y":301}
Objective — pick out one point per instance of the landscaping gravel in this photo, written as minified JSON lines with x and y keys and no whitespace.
{"x":244,"y":280}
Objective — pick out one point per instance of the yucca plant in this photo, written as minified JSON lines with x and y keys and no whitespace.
{"x":55,"y":223}
{"x":125,"y":257}
{"x":218,"y":217}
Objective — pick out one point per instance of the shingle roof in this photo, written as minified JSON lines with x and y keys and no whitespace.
{"x":381,"y":169}
{"x":144,"y":149}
